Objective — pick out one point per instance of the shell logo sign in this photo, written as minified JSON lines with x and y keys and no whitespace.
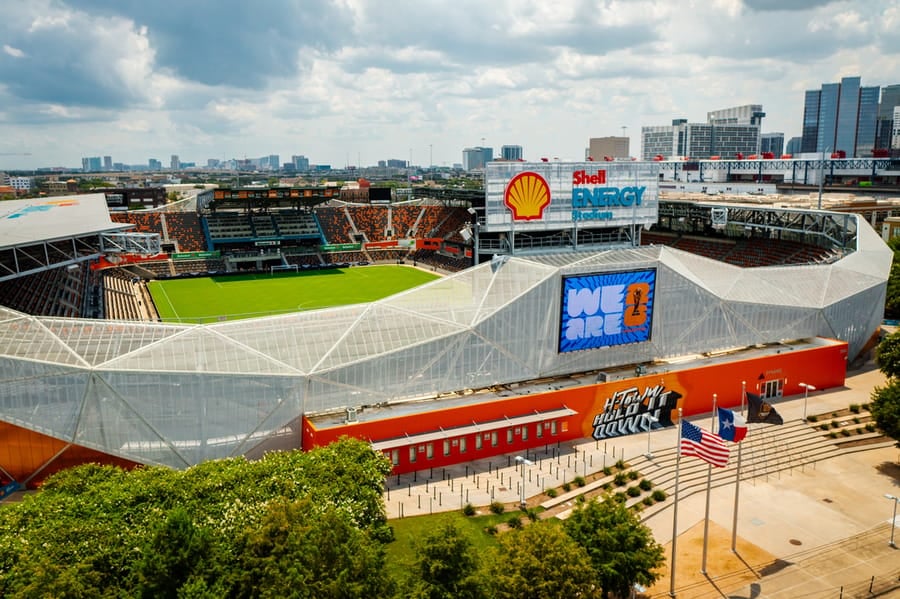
{"x":527,"y":196}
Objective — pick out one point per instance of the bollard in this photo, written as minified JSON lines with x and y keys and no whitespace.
{"x":415,"y":476}
{"x":419,"y":497}
{"x":568,"y":461}
{"x":508,"y":462}
{"x":430,"y":473}
{"x":398,"y":480}
{"x":592,"y":460}
{"x":426,"y":486}
{"x":467,"y":471}
{"x":451,"y":484}
{"x":389,"y":493}
{"x":401,"y":509}
{"x":440,"y":499}
{"x":430,"y":507}
{"x":409,"y":489}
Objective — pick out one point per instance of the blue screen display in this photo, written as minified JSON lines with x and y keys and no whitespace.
{"x":603,"y":310}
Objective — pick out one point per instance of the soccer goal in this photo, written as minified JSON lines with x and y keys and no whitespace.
{"x":283,"y":268}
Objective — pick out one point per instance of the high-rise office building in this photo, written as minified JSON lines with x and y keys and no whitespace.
{"x":107,"y":163}
{"x":613,"y":147}
{"x":511,"y":152}
{"x":772,"y":142}
{"x":887,"y":122}
{"x":477,"y":157}
{"x":748,"y":114}
{"x":154,"y":165}
{"x":301,"y":163}
{"x":91,"y":164}
{"x":840,"y":117}
{"x":793,"y":146}
{"x":732,"y":136}
{"x":174,"y":162}
{"x":895,"y":132}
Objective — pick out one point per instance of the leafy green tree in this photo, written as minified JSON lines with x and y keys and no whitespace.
{"x":177,"y":554}
{"x":621,"y":549}
{"x":885,"y":408}
{"x":892,"y":297}
{"x":539,"y":561}
{"x":888,"y":355}
{"x":303,"y":550}
{"x":445,"y":566}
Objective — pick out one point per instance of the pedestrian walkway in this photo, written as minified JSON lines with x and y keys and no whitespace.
{"x":792,"y":513}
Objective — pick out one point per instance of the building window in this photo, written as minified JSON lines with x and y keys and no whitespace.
{"x":525,"y":433}
{"x":509,"y":436}
{"x":412,"y":454}
{"x":494,"y":437}
{"x":462,"y":445}
{"x":539,"y":429}
{"x":446,"y":447}
{"x":477,"y":441}
{"x":395,"y":456}
{"x":429,"y":451}
{"x":553,"y":427}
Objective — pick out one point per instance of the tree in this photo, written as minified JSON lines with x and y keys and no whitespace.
{"x":885,"y":407}
{"x":621,"y":549}
{"x":309,"y":551}
{"x":888,"y":355}
{"x":445,"y":566}
{"x":892,"y":297}
{"x":539,"y":562}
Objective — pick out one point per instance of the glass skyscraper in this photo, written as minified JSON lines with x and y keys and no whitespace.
{"x":840,"y":117}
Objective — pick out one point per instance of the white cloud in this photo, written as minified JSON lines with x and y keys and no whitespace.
{"x":14,"y":52}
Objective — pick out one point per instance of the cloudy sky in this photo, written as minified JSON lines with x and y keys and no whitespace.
{"x":357,"y":81}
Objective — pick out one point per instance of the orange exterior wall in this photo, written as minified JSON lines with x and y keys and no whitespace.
{"x":604,"y":410}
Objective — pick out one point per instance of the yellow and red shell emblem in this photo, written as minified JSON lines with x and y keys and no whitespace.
{"x":526,"y":196}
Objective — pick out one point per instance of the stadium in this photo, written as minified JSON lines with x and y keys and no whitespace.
{"x":574,"y":303}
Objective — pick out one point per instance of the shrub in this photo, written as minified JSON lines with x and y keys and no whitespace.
{"x":579,"y":480}
{"x":532,"y":514}
{"x":637,"y":508}
{"x":834,"y":414}
{"x":645,"y":484}
{"x":620,"y":464}
{"x":514,"y":522}
{"x":833,"y":434}
{"x":551,"y":493}
{"x":845,"y":432}
{"x":647,"y":500}
{"x":824,"y":427}
{"x":865,"y":407}
{"x":497,"y":507}
{"x":860,"y":431}
{"x":854,"y":407}
{"x":567,"y":486}
{"x":633,"y":475}
{"x":658,"y":495}
{"x":857,"y":420}
{"x":812,"y":418}
{"x":607,"y":471}
{"x":870,"y":426}
{"x":606,"y":486}
{"x":620,"y":497}
{"x":835,"y":424}
{"x":633,"y":491}
{"x":468,"y":510}
{"x":491,"y":530}
{"x":620,"y":479}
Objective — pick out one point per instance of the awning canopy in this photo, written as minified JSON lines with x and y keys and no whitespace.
{"x":475,"y":427}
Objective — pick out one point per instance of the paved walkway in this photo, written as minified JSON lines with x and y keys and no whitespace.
{"x":828,"y":524}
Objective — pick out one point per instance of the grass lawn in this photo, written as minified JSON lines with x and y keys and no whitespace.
{"x":211,"y":299}
{"x":401,"y":553}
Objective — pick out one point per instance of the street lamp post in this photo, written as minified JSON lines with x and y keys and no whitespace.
{"x":893,"y":518}
{"x":806,"y":390}
{"x":524,"y":462}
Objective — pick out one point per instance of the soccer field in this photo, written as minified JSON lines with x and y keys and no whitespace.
{"x":248,"y":296}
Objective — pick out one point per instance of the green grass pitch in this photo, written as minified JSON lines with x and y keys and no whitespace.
{"x":248,"y":296}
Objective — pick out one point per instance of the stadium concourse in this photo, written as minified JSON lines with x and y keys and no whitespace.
{"x":565,"y":330}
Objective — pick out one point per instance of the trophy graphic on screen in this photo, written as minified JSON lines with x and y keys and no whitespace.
{"x":636,"y":298}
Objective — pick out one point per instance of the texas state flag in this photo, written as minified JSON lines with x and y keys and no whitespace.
{"x":732,"y":427}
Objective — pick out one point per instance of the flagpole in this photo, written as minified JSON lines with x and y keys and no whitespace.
{"x":708,"y":489}
{"x":675,"y":509}
{"x":737,"y":477}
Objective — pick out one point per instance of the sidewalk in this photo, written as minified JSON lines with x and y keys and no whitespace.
{"x":793,"y":516}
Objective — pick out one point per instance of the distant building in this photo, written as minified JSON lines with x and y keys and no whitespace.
{"x":701,"y":140}
{"x":511,"y":152}
{"x":212,"y":163}
{"x":793,"y":146}
{"x":748,"y":114}
{"x":91,"y":164}
{"x":107,"y":163}
{"x":154,"y":165}
{"x":397,"y":163}
{"x":772,"y":142}
{"x":895,"y":133}
{"x":614,"y":147}
{"x":841,"y":117}
{"x":301,"y":163}
{"x":887,"y":122}
{"x":477,"y":157}
{"x":21,"y":184}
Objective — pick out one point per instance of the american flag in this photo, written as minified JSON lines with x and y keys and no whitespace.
{"x":698,"y":443}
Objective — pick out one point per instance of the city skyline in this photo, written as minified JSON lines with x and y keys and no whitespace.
{"x":352,"y":84}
